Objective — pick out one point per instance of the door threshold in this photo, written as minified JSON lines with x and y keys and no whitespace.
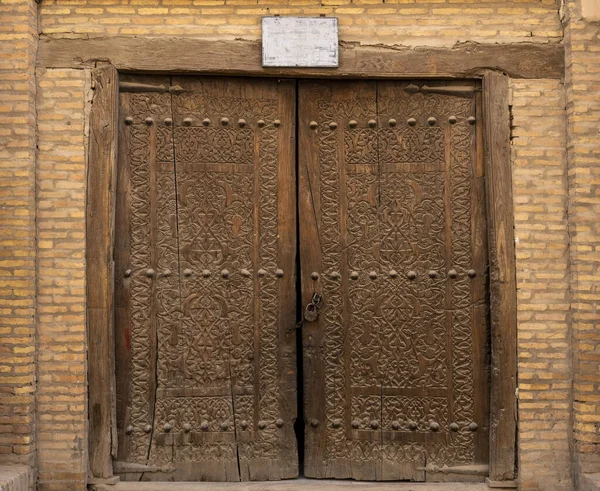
{"x":298,"y":484}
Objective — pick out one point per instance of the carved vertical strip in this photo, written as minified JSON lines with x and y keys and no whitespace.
{"x":335,"y":309}
{"x":268,"y":247}
{"x":462,"y":262}
{"x":140,"y":286}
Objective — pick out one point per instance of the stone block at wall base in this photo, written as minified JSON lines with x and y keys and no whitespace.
{"x":16,"y":478}
{"x":589,"y":482}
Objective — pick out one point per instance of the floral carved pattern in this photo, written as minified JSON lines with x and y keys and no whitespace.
{"x":204,"y":371}
{"x":398,"y":362}
{"x":218,"y":145}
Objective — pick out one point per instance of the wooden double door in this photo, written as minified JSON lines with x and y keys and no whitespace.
{"x":233,"y":194}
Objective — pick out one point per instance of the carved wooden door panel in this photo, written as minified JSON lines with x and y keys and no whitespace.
{"x":393,"y":236}
{"x":205,"y":288}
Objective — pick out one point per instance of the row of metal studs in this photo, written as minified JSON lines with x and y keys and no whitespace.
{"x":204,"y":426}
{"x":391,"y":122}
{"x":205,"y":122}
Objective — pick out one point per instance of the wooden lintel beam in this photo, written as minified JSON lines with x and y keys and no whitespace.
{"x":187,"y":55}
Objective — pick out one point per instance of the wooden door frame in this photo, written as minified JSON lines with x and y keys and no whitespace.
{"x":493,"y":104}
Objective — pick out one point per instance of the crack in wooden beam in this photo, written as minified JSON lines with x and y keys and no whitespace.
{"x":189,"y":55}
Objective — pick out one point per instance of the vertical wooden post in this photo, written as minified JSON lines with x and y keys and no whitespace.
{"x":503,"y":290}
{"x":101,"y":183}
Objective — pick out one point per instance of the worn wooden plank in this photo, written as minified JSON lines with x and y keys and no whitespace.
{"x":123,"y":280}
{"x":519,"y":60}
{"x":310,"y":258}
{"x":100,"y":269}
{"x":480,"y":289}
{"x":502,"y":276}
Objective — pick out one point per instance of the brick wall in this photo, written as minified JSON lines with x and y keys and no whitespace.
{"x":542,"y":249}
{"x":61,"y":171}
{"x":582,"y":50}
{"x":406,"y":22}
{"x":18,"y":41}
{"x":540,"y":193}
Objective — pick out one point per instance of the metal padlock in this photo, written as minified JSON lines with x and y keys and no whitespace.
{"x":311,"y":312}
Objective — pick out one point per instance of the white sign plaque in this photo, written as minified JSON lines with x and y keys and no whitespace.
{"x":300,"y":42}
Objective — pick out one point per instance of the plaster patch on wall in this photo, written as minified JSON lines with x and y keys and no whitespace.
{"x":590,"y":10}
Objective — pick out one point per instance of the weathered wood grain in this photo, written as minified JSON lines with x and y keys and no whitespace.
{"x":184,"y":55}
{"x":502,"y":275}
{"x":100,"y":268}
